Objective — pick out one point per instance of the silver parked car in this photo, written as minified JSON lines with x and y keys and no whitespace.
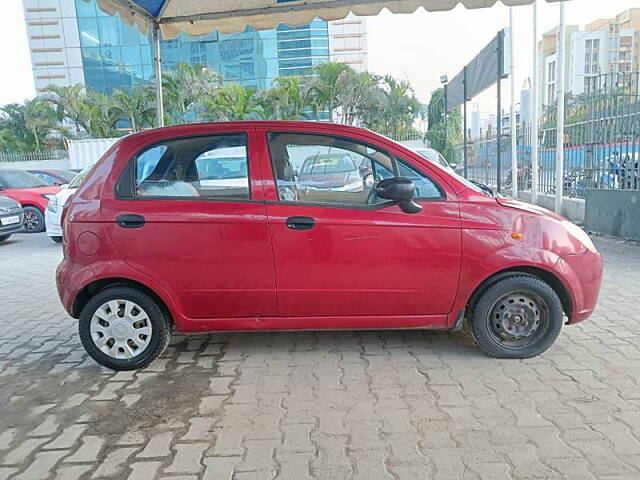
{"x":11,"y":217}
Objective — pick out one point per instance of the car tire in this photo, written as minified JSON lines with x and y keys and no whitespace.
{"x":33,"y":220}
{"x":109,"y":333}
{"x":56,"y":239}
{"x":4,"y":237}
{"x":517,"y":317}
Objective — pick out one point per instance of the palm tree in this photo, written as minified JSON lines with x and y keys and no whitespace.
{"x":230,"y":103}
{"x":359,"y":98}
{"x":138,"y":107}
{"x":68,"y":102}
{"x":326,"y":86}
{"x":98,"y":117}
{"x":30,"y":126}
{"x":287,"y":99}
{"x":184,"y":87}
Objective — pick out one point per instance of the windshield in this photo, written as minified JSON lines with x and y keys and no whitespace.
{"x":66,"y":174}
{"x":19,"y":179}
{"x":328,"y":164}
{"x":78,"y":178}
{"x":433,"y":156}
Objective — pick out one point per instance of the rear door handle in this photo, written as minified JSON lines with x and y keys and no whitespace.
{"x":130,"y":221}
{"x":300,"y":223}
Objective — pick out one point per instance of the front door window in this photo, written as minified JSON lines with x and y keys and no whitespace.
{"x":321,"y":169}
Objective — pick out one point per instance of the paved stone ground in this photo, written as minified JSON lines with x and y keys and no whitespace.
{"x":347,"y":405}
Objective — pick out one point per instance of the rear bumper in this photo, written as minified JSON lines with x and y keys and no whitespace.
{"x":585,"y":271}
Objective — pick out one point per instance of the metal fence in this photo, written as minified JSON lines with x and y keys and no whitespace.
{"x":33,"y":156}
{"x":601,"y":142}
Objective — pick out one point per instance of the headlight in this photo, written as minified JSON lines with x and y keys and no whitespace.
{"x":52,"y":206}
{"x":580,"y":235}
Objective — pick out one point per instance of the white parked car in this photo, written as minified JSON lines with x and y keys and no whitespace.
{"x":53,"y":213}
{"x":434,"y":157}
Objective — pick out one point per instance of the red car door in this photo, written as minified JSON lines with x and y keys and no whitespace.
{"x":196,"y":223}
{"x":340,"y":252}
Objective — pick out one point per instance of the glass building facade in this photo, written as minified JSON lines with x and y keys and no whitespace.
{"x":116,"y":55}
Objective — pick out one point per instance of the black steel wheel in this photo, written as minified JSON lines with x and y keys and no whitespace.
{"x":518,"y":317}
{"x":33,"y":220}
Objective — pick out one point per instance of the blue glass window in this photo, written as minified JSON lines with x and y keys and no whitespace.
{"x":88,"y":29}
{"x":85,"y":9}
{"x":109,"y":31}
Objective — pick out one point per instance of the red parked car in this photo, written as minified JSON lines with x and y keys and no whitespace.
{"x":31,"y":192}
{"x":207,"y":227}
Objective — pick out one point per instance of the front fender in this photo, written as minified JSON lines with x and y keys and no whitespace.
{"x":487,"y":253}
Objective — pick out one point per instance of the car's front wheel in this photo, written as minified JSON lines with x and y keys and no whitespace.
{"x":123,"y":328}
{"x":518,"y":317}
{"x":33,"y":220}
{"x":4,"y":237}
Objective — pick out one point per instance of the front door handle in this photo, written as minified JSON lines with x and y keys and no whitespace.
{"x":130,"y":221}
{"x":300,"y":223}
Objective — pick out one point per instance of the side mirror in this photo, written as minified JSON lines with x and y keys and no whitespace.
{"x":401,"y":190}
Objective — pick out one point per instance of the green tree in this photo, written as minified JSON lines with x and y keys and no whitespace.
{"x":137,"y":107}
{"x":184,"y":88}
{"x":98,"y":117}
{"x":287,"y":99}
{"x":230,"y":103}
{"x":326,"y":85}
{"x":438,"y":139}
{"x":29,"y":127}
{"x":69,"y":102}
{"x":399,"y":107}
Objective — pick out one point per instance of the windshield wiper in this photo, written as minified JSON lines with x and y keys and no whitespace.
{"x":484,"y":187}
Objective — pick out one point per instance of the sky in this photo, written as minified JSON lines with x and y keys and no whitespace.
{"x":419,"y":47}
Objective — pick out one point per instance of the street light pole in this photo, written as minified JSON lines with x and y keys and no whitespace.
{"x":513,"y":126}
{"x":560,"y":123}
{"x":446,"y":133}
{"x":534,"y":110}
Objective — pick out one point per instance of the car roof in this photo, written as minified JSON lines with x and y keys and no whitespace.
{"x":201,"y":128}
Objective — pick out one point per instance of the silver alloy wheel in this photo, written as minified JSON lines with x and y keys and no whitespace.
{"x":121,"y":329}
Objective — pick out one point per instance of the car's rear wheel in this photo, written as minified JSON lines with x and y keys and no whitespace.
{"x":518,"y":317}
{"x":123,"y":328}
{"x":56,"y":239}
{"x":4,"y":237}
{"x":33,"y":220}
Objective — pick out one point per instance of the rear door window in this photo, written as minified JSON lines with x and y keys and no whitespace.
{"x":211,"y":167}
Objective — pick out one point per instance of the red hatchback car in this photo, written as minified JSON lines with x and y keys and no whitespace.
{"x":31,"y":192}
{"x":207,"y":227}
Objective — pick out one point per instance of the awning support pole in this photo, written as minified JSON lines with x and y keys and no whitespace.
{"x":560,"y":114}
{"x":158,"y":69}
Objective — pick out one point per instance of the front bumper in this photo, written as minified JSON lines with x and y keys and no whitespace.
{"x":52,"y":221}
{"x":13,"y":227}
{"x":585,"y":273}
